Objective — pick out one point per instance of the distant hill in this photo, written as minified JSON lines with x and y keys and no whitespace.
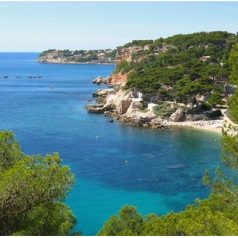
{"x":78,"y":56}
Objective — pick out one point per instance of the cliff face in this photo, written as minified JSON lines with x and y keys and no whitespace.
{"x":136,"y":53}
{"x":132,"y":54}
{"x":117,"y":79}
{"x":126,"y":53}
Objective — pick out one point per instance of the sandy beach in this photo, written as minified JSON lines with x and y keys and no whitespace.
{"x":211,"y":125}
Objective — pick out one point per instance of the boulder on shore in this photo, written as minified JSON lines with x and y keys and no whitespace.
{"x":136,"y":105}
{"x":119,"y":100}
{"x":156,"y":123}
{"x":123,"y":106}
{"x":178,"y":115}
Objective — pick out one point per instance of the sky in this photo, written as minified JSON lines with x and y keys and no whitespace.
{"x":37,"y":26}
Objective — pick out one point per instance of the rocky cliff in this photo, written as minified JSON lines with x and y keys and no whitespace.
{"x":117,"y":79}
{"x":130,"y":108}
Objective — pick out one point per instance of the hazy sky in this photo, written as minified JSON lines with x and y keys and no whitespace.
{"x":36,"y":26}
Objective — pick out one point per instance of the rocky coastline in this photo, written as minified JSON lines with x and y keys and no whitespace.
{"x":62,"y":61}
{"x":131,"y":109}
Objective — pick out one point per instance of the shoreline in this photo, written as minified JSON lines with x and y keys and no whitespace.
{"x":122,"y":107}
{"x":216,"y":127}
{"x":73,"y":63}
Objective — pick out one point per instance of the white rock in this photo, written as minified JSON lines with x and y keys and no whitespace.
{"x":178,"y":115}
{"x":123,"y":105}
{"x":152,"y":106}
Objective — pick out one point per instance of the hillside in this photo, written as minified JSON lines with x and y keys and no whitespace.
{"x":183,"y":78}
{"x":179,"y":67}
{"x":78,"y":56}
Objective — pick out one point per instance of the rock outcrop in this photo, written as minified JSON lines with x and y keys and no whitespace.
{"x":117,"y":79}
{"x":152,"y":106}
{"x":103,"y":92}
{"x":178,"y":115}
{"x":95,"y":108}
{"x":123,"y":106}
{"x":100,"y":80}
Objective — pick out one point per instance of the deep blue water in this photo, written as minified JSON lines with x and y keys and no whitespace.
{"x":164,"y":168}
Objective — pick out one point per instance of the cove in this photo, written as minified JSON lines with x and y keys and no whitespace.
{"x":163,"y":171}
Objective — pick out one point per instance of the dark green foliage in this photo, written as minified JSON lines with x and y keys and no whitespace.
{"x":233,"y":61}
{"x":216,"y":215}
{"x":48,"y":219}
{"x":138,"y":43}
{"x":233,"y":101}
{"x":182,"y":68}
{"x":233,"y":107}
{"x":128,"y":222}
{"x":31,"y":191}
{"x":10,"y":151}
{"x":215,"y":98}
{"x":122,"y":67}
{"x":230,"y":151}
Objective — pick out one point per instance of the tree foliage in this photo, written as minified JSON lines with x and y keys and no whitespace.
{"x":215,"y":98}
{"x":233,"y":101}
{"x":233,"y":61}
{"x":31,"y":191}
{"x":183,"y":65}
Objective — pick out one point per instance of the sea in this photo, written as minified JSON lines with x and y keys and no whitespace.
{"x":114,"y":165}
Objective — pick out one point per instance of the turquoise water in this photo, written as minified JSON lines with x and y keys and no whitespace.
{"x":164,"y":168}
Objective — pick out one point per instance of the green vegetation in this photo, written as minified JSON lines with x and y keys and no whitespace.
{"x":233,"y":107}
{"x":79,"y":56}
{"x":181,"y":66}
{"x":215,"y":98}
{"x":230,"y":151}
{"x":233,"y":101}
{"x":138,"y":43}
{"x":233,"y":61}
{"x":164,"y":110}
{"x":122,"y":67}
{"x":32,"y":189}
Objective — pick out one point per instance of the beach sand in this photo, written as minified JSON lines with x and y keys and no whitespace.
{"x":212,"y":125}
